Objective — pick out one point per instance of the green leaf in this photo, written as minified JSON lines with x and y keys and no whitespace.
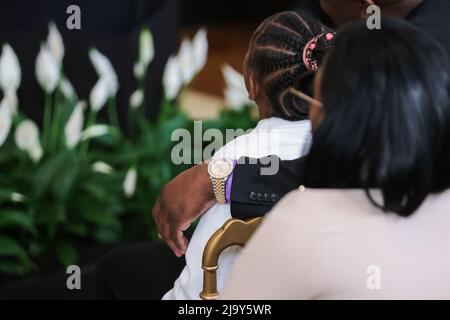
{"x":65,"y":181}
{"x":76,"y":229}
{"x":67,"y":253}
{"x":37,"y":248}
{"x":16,"y":268}
{"x":10,"y":248}
{"x":106,"y":236}
{"x":13,"y":218}
{"x":52,"y":168}
{"x":100,"y":192}
{"x":5,"y":197}
{"x":102,"y":219}
{"x":50,"y":215}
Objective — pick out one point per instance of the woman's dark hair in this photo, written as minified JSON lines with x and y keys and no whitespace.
{"x":387,"y":116}
{"x":276,"y":57}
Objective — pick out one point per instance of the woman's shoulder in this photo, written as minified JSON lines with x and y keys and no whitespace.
{"x":310,"y":208}
{"x":322,"y":200}
{"x":331,"y":205}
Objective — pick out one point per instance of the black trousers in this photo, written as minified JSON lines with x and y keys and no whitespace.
{"x":137,"y":272}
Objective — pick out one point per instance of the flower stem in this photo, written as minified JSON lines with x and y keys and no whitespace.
{"x":56,"y":123}
{"x":91,"y":121}
{"x":47,"y":120}
{"x":112,"y":113}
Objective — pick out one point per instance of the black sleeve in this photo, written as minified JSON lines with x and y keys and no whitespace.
{"x":254,"y":194}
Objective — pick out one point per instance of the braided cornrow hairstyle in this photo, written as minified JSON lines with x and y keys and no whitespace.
{"x":277,"y":58}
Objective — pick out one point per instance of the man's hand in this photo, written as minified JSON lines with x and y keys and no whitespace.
{"x":181,"y":201}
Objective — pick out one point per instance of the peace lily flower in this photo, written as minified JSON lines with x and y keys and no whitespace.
{"x":95,"y":131}
{"x":139,"y":70}
{"x":5,"y":122}
{"x":172,"y":80}
{"x":136,"y":99}
{"x":55,"y":43}
{"x":129,"y":184}
{"x":74,"y":125}
{"x":36,"y":153}
{"x":102,"y":167}
{"x":105,"y":70}
{"x":67,"y":89}
{"x":18,"y":197}
{"x":107,"y":85}
{"x":47,"y":69}
{"x":10,"y":101}
{"x":100,"y":94}
{"x":236,"y":94}
{"x":200,"y":45}
{"x":27,"y":139}
{"x":146,"y":48}
{"x":10,"y":72}
{"x":186,"y":58}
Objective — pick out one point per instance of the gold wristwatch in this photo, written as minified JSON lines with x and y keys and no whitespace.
{"x":219,"y":171}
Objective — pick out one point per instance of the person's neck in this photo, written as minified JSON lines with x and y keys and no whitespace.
{"x":265,"y":109}
{"x":402,"y":9}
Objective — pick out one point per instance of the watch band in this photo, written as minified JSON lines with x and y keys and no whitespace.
{"x":219,"y":187}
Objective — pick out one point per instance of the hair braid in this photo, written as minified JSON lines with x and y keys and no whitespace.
{"x":277,"y":58}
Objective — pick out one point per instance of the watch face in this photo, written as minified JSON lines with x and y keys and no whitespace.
{"x":220,"y":168}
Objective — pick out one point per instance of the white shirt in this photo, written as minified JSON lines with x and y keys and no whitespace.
{"x":288,"y":140}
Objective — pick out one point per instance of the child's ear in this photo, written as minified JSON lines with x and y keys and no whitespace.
{"x":253,"y":86}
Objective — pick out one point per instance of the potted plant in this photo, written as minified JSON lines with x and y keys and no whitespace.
{"x":74,"y":189}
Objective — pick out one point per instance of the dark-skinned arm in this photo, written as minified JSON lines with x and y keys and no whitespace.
{"x":190,"y":194}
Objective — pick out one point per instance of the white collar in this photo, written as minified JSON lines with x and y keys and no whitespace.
{"x":278,"y":123}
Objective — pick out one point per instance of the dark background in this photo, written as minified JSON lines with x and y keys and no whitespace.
{"x":217,"y":12}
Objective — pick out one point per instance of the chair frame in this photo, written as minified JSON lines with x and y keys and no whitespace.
{"x":233,"y":233}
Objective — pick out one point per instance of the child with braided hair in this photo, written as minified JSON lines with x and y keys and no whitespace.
{"x":283,"y":53}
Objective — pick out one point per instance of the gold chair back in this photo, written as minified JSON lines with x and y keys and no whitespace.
{"x":233,"y":233}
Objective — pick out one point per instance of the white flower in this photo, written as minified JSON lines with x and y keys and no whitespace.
{"x":129,"y":184}
{"x":102,"y":167}
{"x":27,"y":135}
{"x":74,"y":125}
{"x":18,"y":197}
{"x":10,"y":101}
{"x":5,"y":122}
{"x":100,"y":94}
{"x":10,"y":72}
{"x":55,"y":43}
{"x":200,"y":44}
{"x":139,"y":70}
{"x":233,"y":78}
{"x":36,"y":153}
{"x":94,"y":131}
{"x":172,"y":80}
{"x":27,"y":139}
{"x":236,"y":94}
{"x":47,"y":70}
{"x":146,"y":48}
{"x":105,"y":71}
{"x":136,"y":99}
{"x":67,"y":89}
{"x":186,"y":58}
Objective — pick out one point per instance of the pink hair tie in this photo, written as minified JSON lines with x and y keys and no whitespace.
{"x":310,"y":63}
